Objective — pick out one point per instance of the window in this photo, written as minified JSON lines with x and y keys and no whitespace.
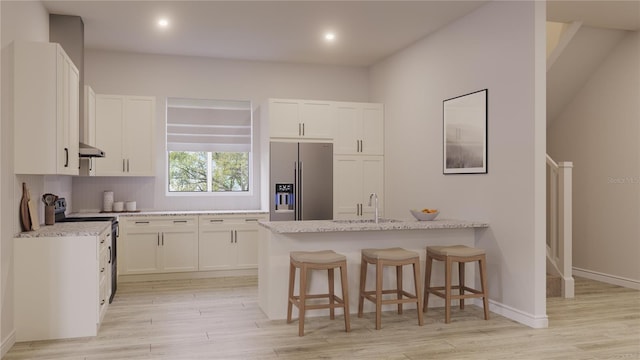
{"x":208,"y":145}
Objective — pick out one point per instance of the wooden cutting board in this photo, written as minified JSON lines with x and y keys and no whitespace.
{"x":33,"y":212}
{"x":25,"y":218}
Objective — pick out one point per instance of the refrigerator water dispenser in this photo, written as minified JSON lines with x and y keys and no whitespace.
{"x":284,"y":200}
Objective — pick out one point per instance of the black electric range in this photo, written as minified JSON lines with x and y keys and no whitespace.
{"x":60,"y":216}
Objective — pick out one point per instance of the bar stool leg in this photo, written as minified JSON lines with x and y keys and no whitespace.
{"x":363,"y":280}
{"x":332,"y":314}
{"x":447,"y":290}
{"x":345,"y":296}
{"x":292,"y":279}
{"x":416,"y":282}
{"x":483,"y":281}
{"x":461,"y":281}
{"x":303,"y":300}
{"x":379,"y":270}
{"x":399,"y":286}
{"x":427,"y":282}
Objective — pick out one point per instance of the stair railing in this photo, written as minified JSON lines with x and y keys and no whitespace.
{"x":559,"y":223}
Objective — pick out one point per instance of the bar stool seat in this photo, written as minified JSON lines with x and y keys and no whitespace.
{"x":461,"y":254}
{"x":317,"y":260}
{"x":397,"y":257}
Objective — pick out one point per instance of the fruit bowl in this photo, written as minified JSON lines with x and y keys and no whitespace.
{"x":425,"y":216}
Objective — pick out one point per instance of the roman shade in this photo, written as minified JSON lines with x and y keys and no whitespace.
{"x":208,"y":125}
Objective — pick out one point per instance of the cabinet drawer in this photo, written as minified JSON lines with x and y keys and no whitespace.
{"x":231,"y":220}
{"x":148,"y":223}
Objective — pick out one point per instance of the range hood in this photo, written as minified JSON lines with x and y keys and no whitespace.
{"x":89,"y":151}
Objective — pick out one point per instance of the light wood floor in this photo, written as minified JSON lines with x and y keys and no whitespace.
{"x":220,"y":319}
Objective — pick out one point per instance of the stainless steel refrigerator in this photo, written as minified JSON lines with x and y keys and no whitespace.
{"x":301,"y":181}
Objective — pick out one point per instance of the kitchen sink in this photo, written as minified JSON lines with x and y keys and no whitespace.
{"x":365,"y":221}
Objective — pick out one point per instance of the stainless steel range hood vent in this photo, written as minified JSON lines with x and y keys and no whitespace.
{"x":89,"y":151}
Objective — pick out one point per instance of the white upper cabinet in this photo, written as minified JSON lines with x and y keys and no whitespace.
{"x":300,"y":119}
{"x":45,"y":109}
{"x":89,"y":130}
{"x":359,"y":128}
{"x":125,"y":131}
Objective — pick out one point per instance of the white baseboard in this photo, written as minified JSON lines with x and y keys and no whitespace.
{"x":536,"y":322}
{"x":607,"y":278}
{"x":7,"y":343}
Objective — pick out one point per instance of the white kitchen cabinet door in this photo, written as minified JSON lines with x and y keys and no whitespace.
{"x":141,"y":252}
{"x":372,"y":129}
{"x":87,"y":167}
{"x":355,"y":178}
{"x":217,"y":250}
{"x":69,"y":113}
{"x":359,"y":128}
{"x":125,"y":131}
{"x":347,"y":187}
{"x":284,"y":119}
{"x":109,"y":130}
{"x":247,"y":246}
{"x":45,"y":110}
{"x":372,"y":182}
{"x":139,"y":135}
{"x":316,"y":121}
{"x":179,"y":248}
{"x":300,"y":119}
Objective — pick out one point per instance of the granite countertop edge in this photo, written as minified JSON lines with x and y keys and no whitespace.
{"x":318,"y":226}
{"x":85,"y":228}
{"x":150,"y":213}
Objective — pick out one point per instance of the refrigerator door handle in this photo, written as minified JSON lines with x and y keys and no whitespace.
{"x":296,"y":191}
{"x":301,"y":202}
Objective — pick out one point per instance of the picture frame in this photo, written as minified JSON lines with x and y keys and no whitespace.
{"x":464,"y":133}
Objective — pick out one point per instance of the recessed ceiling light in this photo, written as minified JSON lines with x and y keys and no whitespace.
{"x":163,"y":23}
{"x":330,"y":37}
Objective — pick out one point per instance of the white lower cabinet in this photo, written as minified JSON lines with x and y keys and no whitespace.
{"x":158,"y":245}
{"x":152,"y":245}
{"x":228,"y":242}
{"x":62,"y":285}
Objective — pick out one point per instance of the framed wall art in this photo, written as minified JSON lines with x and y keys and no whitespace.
{"x":465,"y":133}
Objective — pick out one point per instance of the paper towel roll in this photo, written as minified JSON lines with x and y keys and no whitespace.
{"x":107,"y":201}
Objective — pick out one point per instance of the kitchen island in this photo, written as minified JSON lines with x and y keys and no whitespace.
{"x":349,"y":237}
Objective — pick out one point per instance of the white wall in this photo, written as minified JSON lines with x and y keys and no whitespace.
{"x":178,"y":76}
{"x":600,"y":132}
{"x":492,"y":48}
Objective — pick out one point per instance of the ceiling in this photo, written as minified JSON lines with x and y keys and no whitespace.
{"x":292,"y":31}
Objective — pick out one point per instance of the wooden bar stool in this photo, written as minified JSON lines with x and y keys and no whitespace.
{"x":317,"y":260}
{"x":397,"y":257}
{"x":460,"y":254}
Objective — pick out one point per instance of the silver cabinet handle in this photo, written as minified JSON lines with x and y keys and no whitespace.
{"x":179,"y":221}
{"x":110,"y":255}
{"x":123,"y":164}
{"x":235,"y":234}
{"x":141,"y":222}
{"x":216,"y":220}
{"x":252,"y":219}
{"x":127,"y":165}
{"x":66,"y":157}
{"x":299,"y":129}
{"x":231,"y":232}
{"x":162,"y":239}
{"x":302,"y":129}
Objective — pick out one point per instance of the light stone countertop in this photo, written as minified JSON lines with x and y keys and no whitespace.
{"x":82,"y":228}
{"x":316,"y":226}
{"x":150,"y":213}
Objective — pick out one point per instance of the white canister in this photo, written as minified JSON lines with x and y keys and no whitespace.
{"x":130,"y":206}
{"x":118,"y":206}
{"x":107,"y":201}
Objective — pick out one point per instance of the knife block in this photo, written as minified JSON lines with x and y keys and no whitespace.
{"x":49,"y":215}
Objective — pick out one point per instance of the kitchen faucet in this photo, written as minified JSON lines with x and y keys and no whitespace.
{"x":370,"y":200}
